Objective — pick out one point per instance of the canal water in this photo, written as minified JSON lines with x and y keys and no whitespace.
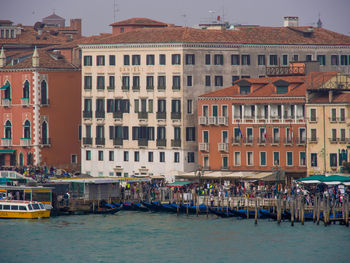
{"x":155,"y":237}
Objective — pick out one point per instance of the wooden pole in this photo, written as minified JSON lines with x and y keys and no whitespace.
{"x":207,"y":206}
{"x":256,"y":211}
{"x":302,"y":211}
{"x":325,"y":211}
{"x":292,"y":213}
{"x":197,"y":208}
{"x":347,"y":212}
{"x":227,"y":204}
{"x":318,"y":209}
{"x":187,"y":208}
{"x":314,"y":210}
{"x":279,"y":216}
{"x":177,"y":203}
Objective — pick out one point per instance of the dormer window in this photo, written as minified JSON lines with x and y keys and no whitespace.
{"x":281,"y":86}
{"x":244,"y":87}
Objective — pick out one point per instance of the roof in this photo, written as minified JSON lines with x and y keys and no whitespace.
{"x":140,"y":21}
{"x":337,"y":98}
{"x":266,"y":87}
{"x":53,"y":17}
{"x":6,"y":22}
{"x":242,"y":35}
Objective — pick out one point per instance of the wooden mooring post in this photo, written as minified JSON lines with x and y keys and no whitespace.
{"x":318,"y":209}
{"x":278,"y":209}
{"x":292,"y":213}
{"x":256,"y":211}
{"x":207,"y":206}
{"x":302,"y":207}
{"x":247,"y":208}
{"x":197,"y":208}
{"x":347,"y":211}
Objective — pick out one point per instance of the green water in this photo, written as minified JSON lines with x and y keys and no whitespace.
{"x":152,"y":237}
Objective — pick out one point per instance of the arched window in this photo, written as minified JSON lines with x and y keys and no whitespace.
{"x":7,"y":94}
{"x":44,"y":132}
{"x":26,"y":90}
{"x":26,"y":130}
{"x":29,"y":159}
{"x":8,"y":130}
{"x":44,"y":100}
{"x":21,"y":161}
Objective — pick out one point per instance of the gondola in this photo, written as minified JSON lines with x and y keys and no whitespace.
{"x":140,"y":207}
{"x":107,"y":209}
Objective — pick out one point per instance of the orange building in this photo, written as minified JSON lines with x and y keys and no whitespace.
{"x":135,"y":23}
{"x":40,"y":111}
{"x":255,"y":125}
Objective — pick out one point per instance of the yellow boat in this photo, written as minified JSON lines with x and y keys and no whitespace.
{"x":23,"y":209}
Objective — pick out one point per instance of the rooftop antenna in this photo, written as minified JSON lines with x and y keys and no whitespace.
{"x":212,"y":12}
{"x":185,"y":19}
{"x":115,"y":10}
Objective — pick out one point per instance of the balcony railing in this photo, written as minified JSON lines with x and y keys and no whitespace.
{"x":249,"y":117}
{"x":110,"y":88}
{"x":175,"y":143}
{"x":176,"y":115}
{"x":285,"y":71}
{"x":333,"y":119}
{"x":25,"y":102}
{"x":6,"y":142}
{"x":301,"y":141}
{"x":125,"y":88}
{"x":87,"y":114}
{"x":333,"y":140}
{"x":100,"y":141}
{"x":222,"y":120}
{"x":262,"y":140}
{"x":142,"y":142}
{"x":223,"y":147}
{"x":87,"y":141}
{"x":248,"y":140}
{"x":6,"y":102}
{"x":118,"y":115}
{"x":313,"y":119}
{"x":100,"y":114}
{"x":237,"y":117}
{"x":161,"y":87}
{"x":204,"y":147}
{"x":212,"y":120}
{"x":46,"y":141}
{"x":313,"y":140}
{"x":236,"y":140}
{"x":25,"y":142}
{"x":136,"y":87}
{"x":342,"y":140}
{"x":149,"y":88}
{"x":203,"y":120}
{"x":176,"y":87}
{"x":275,"y":141}
{"x":341,"y":119}
{"x":288,"y":117}
{"x":161,"y":115}
{"x":288,"y":141}
{"x":117,"y":142}
{"x":161,"y":142}
{"x":143,"y":115}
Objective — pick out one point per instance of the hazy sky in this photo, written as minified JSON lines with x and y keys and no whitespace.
{"x":98,"y":14}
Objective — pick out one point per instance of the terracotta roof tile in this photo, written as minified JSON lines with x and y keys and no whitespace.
{"x":139,"y":21}
{"x":337,"y":98}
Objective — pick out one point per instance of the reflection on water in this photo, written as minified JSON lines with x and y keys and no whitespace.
{"x":153,"y":237}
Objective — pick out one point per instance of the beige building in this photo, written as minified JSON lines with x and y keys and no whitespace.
{"x":328,"y":114}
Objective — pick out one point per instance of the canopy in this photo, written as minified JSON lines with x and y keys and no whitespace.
{"x":329,"y":180}
{"x":7,"y":151}
{"x":5,"y":86}
{"x":318,"y":178}
{"x":334,"y":178}
{"x":178,"y":184}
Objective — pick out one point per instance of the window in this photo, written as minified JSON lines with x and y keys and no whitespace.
{"x":313,"y":115}
{"x":136,"y":82}
{"x":234,"y":60}
{"x":100,"y":107}
{"x":150,"y":60}
{"x":333,"y":159}
{"x":282,"y":89}
{"x":189,"y":81}
{"x":150,"y":157}
{"x":334,"y":60}
{"x":189,"y":106}
{"x":313,"y":135}
{"x":161,"y":133}
{"x":100,"y":155}
{"x":302,"y":135}
{"x":342,"y":135}
{"x":261,"y":60}
{"x":273,"y":60}
{"x":206,"y":162}
{"x":190,"y":134}
{"x":126,"y":60}
{"x":237,"y":159}
{"x":150,"y":105}
{"x":343,"y":60}
{"x":295,"y":58}
{"x":136,"y":156}
{"x":218,"y":59}
{"x":334,"y":115}
{"x":87,"y":60}
{"x":249,"y":135}
{"x":175,"y":106}
{"x":190,"y":59}
{"x":44,"y":95}
{"x":289,"y":158}
{"x":161,"y":82}
{"x":207,"y":81}
{"x":245,"y":60}
{"x":224,"y":162}
{"x":87,"y":82}
{"x":100,"y":132}
{"x":205,"y":136}
{"x":112,"y":60}
{"x":190,"y":157}
{"x":302,"y":159}
{"x":219,"y":81}
{"x":313,"y":159}
{"x":321,"y":59}
{"x":234,"y":78}
{"x":88,"y":155}
{"x":26,"y":90}
{"x":285,"y":60}
{"x":334,"y":135}
{"x":162,"y":157}
{"x":342,"y":115}
{"x":262,"y":158}
{"x":276,"y":135}
{"x":29,"y":159}
{"x":111,"y":156}
{"x":111,"y":83}
{"x":100,"y":82}
{"x":176,"y":83}
{"x":26,"y":130}
{"x":224,"y":111}
{"x":249,"y":158}
{"x":276,"y":158}
{"x":100,"y":60}
{"x":176,"y":157}
{"x":244,"y":90}
{"x":125,"y":82}
{"x":175,"y":59}
{"x":136,"y":60}
{"x":177,"y":133}
{"x":126,"y":156}
{"x":149,"y":82}
{"x":207,"y":59}
{"x":308,"y":57}
{"x":162,"y":59}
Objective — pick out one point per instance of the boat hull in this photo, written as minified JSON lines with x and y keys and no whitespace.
{"x":25,"y":214}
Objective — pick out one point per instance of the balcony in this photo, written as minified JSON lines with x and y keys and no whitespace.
{"x":203,"y":120}
{"x":285,"y":71}
{"x":204,"y":147}
{"x":118,"y":115}
{"x":87,"y":114}
{"x":110,"y":88}
{"x":248,"y":141}
{"x":176,"y":115}
{"x":100,"y":141}
{"x":313,"y":140}
{"x":46,"y":142}
{"x":100,"y":114}
{"x":161,"y":142}
{"x":342,"y":140}
{"x":212,"y":120}
{"x":117,"y":142}
{"x":288,"y":117}
{"x":149,"y":88}
{"x":25,"y":142}
{"x":25,"y":102}
{"x":161,"y":115}
{"x":223,"y":147}
{"x":288,"y":141}
{"x":333,"y":140}
{"x":262,"y":141}
{"x":313,"y":119}
{"x":6,"y":102}
{"x":175,"y":143}
{"x":176,"y":88}
{"x":136,"y":88}
{"x":341,"y":119}
{"x":300,"y":117}
{"x":87,"y":141}
{"x":161,"y":87}
{"x":275,"y":141}
{"x":237,"y":117}
{"x":275,"y":117}
{"x":223,"y":120}
{"x":142,"y":115}
{"x":301,"y":141}
{"x":249,"y":117}
{"x":333,"y":119}
{"x":125,"y":88}
{"x":142,"y":142}
{"x":236,"y":141}
{"x":6,"y":142}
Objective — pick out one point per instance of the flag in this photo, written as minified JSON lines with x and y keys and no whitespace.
{"x":265,"y":132}
{"x":240,"y":132}
{"x":291,"y":131}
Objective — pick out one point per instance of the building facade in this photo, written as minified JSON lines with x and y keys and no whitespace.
{"x":328,"y":121}
{"x":40,"y":111}
{"x":154,"y":77}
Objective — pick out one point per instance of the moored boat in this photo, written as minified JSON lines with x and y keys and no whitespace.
{"x":23,"y":209}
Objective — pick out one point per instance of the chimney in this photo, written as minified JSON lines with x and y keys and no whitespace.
{"x":2,"y":58}
{"x":35,"y":59}
{"x":291,"y":21}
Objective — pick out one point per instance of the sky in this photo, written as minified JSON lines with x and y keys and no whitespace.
{"x":97,"y":15}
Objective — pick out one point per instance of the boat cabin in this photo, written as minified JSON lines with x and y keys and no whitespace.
{"x":27,"y":193}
